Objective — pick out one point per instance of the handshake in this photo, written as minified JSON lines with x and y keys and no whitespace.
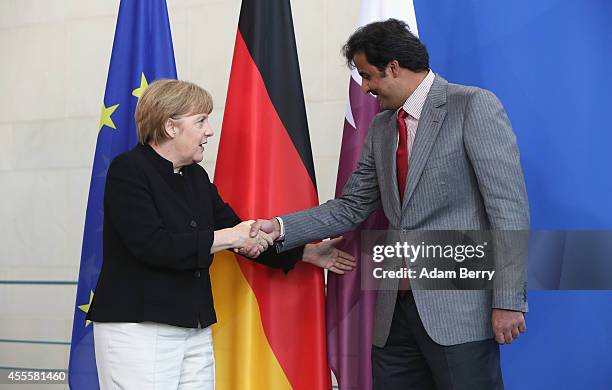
{"x":252,"y":238}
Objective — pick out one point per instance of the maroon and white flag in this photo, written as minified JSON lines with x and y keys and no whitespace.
{"x":350,"y":309}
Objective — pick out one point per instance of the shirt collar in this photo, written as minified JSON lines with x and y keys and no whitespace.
{"x":415,"y":102}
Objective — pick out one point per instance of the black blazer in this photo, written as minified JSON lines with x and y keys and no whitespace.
{"x":158,"y":231}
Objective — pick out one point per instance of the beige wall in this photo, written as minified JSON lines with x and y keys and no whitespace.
{"x":55,"y":56}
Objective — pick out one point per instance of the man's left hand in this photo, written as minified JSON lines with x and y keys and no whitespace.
{"x":507,"y":325}
{"x":325,"y":255}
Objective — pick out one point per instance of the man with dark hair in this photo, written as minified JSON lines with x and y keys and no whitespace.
{"x":440,"y":156}
{"x":387,"y":41}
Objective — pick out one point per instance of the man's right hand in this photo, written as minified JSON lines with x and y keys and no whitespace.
{"x":269,"y":226}
{"x":247,"y":245}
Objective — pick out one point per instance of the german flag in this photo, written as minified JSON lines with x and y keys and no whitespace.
{"x":271,"y":329}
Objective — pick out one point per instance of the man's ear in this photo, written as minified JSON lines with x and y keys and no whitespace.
{"x":394,"y":68}
{"x":170,"y":128}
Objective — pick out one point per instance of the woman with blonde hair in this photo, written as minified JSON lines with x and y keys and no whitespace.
{"x":163,"y":221}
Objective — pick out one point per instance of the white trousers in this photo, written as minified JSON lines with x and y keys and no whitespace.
{"x":153,"y":356}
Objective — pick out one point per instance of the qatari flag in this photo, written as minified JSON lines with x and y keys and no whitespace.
{"x":350,"y":310}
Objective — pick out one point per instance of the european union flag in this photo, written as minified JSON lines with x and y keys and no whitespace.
{"x":142,"y":52}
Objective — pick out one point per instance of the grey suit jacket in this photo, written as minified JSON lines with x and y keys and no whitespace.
{"x":464,"y":173}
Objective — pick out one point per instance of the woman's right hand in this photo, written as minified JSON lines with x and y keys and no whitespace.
{"x":238,"y":238}
{"x":247,"y":245}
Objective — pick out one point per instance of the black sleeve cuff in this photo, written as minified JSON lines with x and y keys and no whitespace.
{"x":285,"y":261}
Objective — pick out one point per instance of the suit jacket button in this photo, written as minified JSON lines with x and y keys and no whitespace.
{"x":193,"y":224}
{"x":197,"y":273}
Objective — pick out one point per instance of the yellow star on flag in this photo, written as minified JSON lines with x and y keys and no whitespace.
{"x":143,"y":85}
{"x":105,"y":116}
{"x":85,"y":308}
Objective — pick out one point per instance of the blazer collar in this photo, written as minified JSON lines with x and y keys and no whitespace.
{"x":437,"y":94}
{"x":165,"y":169}
{"x":161,"y":164}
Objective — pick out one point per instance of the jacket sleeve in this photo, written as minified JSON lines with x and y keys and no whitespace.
{"x":225,"y":216}
{"x":285,"y":261}
{"x":130,"y":209}
{"x":360,"y":197}
{"x":492,"y":149}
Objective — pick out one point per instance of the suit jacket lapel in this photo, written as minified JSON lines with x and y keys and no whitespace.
{"x":431,"y":119}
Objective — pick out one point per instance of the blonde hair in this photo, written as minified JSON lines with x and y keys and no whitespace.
{"x":164,"y":99}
